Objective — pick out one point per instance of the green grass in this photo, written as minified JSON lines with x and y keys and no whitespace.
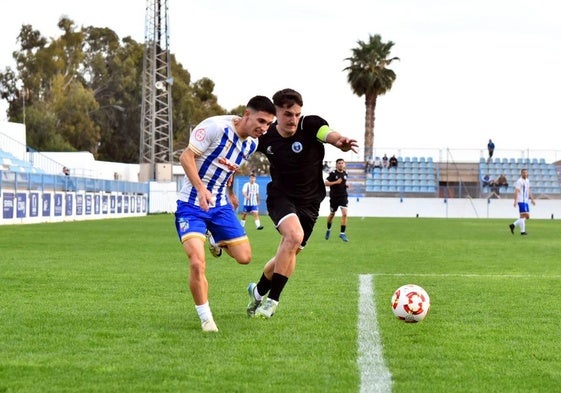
{"x":104,"y":306}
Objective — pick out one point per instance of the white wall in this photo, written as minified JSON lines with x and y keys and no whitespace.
{"x":83,"y":164}
{"x":441,"y":208}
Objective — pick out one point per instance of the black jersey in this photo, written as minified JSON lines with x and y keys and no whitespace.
{"x":338,"y":190}
{"x":296,"y":161}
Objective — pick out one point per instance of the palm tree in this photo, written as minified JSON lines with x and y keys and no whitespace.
{"x":369,"y":76}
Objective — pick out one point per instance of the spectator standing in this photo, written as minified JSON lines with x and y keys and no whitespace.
{"x":490,"y":149}
{"x":68,"y":183}
{"x":385,"y":161}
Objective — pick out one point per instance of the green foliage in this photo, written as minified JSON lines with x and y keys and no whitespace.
{"x":369,"y":76}
{"x":104,"y":306}
{"x":87,"y":86}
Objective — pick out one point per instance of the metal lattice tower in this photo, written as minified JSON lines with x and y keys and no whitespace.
{"x":156,"y":139}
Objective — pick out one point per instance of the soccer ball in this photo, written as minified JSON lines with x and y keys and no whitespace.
{"x":410,"y":303}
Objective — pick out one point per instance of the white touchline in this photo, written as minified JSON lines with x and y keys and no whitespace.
{"x":374,"y":375}
{"x":469,"y":275}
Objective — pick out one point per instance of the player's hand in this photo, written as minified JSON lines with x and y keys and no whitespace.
{"x":206,"y":201}
{"x":346,"y":144}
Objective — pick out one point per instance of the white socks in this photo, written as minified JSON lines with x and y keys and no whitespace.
{"x":204,"y":312}
{"x":521,"y":222}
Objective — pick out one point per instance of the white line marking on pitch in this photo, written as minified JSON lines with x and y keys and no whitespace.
{"x":469,"y":275}
{"x":374,"y":375}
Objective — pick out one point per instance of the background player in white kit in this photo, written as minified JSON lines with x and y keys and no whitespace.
{"x":250,"y":191}
{"x":217,"y":148}
{"x":522,"y":197}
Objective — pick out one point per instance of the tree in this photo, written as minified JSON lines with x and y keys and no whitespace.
{"x":369,"y":76}
{"x":83,"y":92}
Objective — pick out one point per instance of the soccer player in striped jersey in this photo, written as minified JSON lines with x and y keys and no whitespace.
{"x":294,"y":146}
{"x":217,"y":148}
{"x":250,"y":191}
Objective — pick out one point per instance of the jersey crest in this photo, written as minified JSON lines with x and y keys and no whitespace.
{"x":297,"y":147}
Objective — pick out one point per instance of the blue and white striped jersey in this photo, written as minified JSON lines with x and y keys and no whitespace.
{"x":219,"y":153}
{"x":252,"y":192}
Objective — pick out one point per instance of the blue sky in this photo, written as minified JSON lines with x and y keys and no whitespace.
{"x":469,"y":70}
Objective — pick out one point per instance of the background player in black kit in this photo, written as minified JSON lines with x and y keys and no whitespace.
{"x":338,"y":197}
{"x":294,"y":147}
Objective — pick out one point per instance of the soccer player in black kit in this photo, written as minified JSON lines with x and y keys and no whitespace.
{"x":294,"y":147}
{"x":338,"y":197}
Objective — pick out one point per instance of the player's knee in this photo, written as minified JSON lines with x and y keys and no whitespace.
{"x":294,"y":238}
{"x":197,"y":266}
{"x":244,"y":258}
{"x":242,"y":254}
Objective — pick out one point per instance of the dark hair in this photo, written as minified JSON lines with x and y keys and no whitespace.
{"x":287,"y":98}
{"x":261,"y":104}
{"x":338,"y":160}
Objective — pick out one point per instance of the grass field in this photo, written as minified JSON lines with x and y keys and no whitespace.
{"x":103,"y":306}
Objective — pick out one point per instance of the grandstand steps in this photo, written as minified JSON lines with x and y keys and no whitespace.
{"x":464,"y":172}
{"x":356,"y":179}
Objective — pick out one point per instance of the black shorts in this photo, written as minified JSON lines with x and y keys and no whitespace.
{"x":337,"y":202}
{"x":280,"y":206}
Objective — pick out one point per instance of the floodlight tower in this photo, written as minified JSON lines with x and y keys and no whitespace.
{"x":156,"y":138}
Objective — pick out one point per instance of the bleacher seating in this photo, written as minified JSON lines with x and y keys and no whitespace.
{"x":10,"y":162}
{"x":543,"y":176}
{"x":412,"y":175}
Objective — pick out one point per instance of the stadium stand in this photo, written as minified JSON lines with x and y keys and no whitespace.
{"x":416,"y":175}
{"x":9,"y":162}
{"x":543,"y":176}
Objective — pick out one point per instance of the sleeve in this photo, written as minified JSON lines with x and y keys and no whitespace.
{"x":202,"y":137}
{"x":318,"y":125}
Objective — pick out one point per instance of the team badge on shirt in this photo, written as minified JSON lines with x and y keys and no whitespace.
{"x":200,"y":134}
{"x":297,"y":147}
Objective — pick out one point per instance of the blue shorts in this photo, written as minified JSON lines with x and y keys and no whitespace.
{"x":250,"y":208}
{"x":221,"y":221}
{"x":523,"y":207}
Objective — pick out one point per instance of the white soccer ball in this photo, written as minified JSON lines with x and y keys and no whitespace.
{"x":410,"y":303}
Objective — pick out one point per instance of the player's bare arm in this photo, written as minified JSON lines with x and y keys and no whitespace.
{"x":187,"y":161}
{"x":342,"y":142}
